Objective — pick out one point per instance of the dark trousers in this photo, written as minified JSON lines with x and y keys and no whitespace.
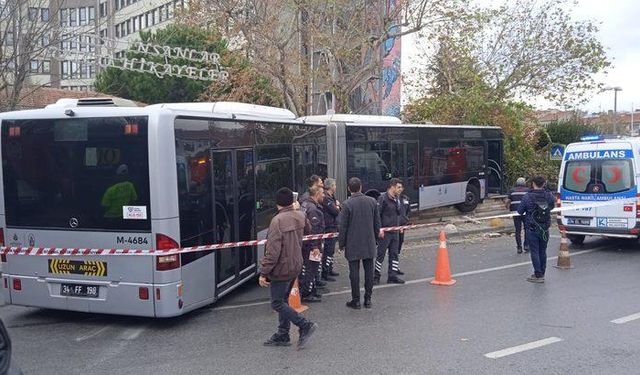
{"x":309,"y":275}
{"x":518,"y":223}
{"x":390,"y":242}
{"x":354,"y":276}
{"x":280,"y":303}
{"x":400,"y":241}
{"x":538,"y":250}
{"x":327,"y":255}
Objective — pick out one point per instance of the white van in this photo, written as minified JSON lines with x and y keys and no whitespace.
{"x":596,"y":171}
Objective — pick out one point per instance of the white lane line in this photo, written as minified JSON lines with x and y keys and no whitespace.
{"x":417,"y":281}
{"x":132,"y":333}
{"x":626,"y":319}
{"x":522,"y":348}
{"x":92,"y":334}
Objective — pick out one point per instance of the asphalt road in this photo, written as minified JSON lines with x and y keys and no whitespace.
{"x":491,"y":322}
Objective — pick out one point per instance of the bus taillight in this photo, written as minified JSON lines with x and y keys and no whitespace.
{"x":143,"y":293}
{"x":17,"y":284}
{"x":164,"y":242}
{"x":638,"y":206}
{"x":167,"y":262}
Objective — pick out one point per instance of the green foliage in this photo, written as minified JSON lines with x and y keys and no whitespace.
{"x":565,"y":132}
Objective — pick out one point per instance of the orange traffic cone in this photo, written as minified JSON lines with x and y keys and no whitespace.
{"x":443,"y":272}
{"x":294,"y":298}
{"x":564,"y":261}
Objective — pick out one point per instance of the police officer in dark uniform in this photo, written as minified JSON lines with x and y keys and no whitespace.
{"x":390,"y":210}
{"x":331,"y":210}
{"x":515,"y":196}
{"x":312,"y":250}
{"x":405,"y":204}
{"x":536,"y":206}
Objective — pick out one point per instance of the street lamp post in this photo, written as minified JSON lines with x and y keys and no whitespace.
{"x":615,"y":106}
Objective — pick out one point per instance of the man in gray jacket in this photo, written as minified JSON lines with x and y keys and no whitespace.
{"x":359,"y":227}
{"x":281,"y":265}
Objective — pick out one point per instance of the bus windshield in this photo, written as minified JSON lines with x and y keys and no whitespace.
{"x":599,"y":176}
{"x":76,"y":173}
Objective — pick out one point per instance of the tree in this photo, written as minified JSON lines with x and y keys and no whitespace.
{"x":564,"y":132}
{"x":27,"y":30}
{"x":245,"y":83}
{"x":309,"y":47}
{"x":531,"y":48}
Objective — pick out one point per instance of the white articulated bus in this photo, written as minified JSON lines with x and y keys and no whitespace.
{"x":81,"y":175}
{"x":597,"y":171}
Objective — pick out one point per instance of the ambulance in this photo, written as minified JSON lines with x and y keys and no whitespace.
{"x":601,"y":176}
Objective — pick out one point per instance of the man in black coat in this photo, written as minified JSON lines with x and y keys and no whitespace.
{"x":390,"y":209}
{"x":359,"y":228}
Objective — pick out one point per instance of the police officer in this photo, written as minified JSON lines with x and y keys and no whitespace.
{"x":331,"y":210}
{"x":390,"y":209}
{"x":404,"y":220}
{"x":536,"y":205}
{"x":515,"y":196}
{"x":311,"y":250}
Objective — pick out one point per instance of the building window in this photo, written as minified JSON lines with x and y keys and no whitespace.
{"x":64,"y":69}
{"x":46,"y":66}
{"x":166,"y":12}
{"x":44,"y":14}
{"x":160,"y":14}
{"x":73,"y":43}
{"x":8,"y":40}
{"x":64,"y":43}
{"x":153,"y":17}
{"x":64,"y":17}
{"x":128,"y":26}
{"x":103,"y":10}
{"x":73,"y":19}
{"x":33,"y":14}
{"x":83,"y":16}
{"x":34,"y":66}
{"x":134,"y":24}
{"x":45,"y":40}
{"x":92,"y":15}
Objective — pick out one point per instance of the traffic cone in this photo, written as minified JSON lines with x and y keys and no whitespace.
{"x":564,"y":261}
{"x":443,"y":271}
{"x":294,"y":298}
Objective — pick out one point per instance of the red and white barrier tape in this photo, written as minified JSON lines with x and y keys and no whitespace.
{"x":52,"y":251}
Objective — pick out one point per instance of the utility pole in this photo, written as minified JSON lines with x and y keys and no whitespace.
{"x":615,"y":106}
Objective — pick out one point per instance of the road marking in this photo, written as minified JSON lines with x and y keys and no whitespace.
{"x":132,"y":333}
{"x":417,"y":281}
{"x":626,"y":319}
{"x":522,"y":348}
{"x":92,"y":334}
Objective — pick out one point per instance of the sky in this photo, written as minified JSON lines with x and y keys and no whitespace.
{"x":619,"y":23}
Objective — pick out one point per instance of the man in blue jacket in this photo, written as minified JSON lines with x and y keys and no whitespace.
{"x":536,"y":205}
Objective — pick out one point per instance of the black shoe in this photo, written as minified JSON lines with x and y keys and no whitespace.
{"x":399,"y":272}
{"x":353,"y":304}
{"x":535,"y":279}
{"x":326,"y":277}
{"x":519,"y":250}
{"x":320,"y":291}
{"x":526,"y":249}
{"x":333,"y":273}
{"x":395,"y":280}
{"x":305,"y":333}
{"x":376,"y":280}
{"x":367,"y":303}
{"x":278,"y":340}
{"x":312,"y":298}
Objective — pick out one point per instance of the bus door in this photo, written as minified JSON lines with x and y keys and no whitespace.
{"x":404,"y":165}
{"x":494,"y":169}
{"x":234,"y":196}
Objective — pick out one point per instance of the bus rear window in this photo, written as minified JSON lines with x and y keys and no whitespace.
{"x":599,"y":176}
{"x":79,"y":174}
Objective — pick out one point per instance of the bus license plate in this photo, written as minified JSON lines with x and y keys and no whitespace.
{"x":77,"y":290}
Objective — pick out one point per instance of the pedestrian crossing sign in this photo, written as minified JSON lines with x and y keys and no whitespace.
{"x":557,"y":151}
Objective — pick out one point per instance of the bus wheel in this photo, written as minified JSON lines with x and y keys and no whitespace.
{"x":576,"y":239}
{"x":472,"y":198}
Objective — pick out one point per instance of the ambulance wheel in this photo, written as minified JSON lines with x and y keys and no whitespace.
{"x":472,"y":198}
{"x":576,"y":239}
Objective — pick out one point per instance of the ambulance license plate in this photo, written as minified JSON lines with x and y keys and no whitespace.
{"x":578,"y":221}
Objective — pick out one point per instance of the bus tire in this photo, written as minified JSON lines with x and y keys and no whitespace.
{"x":576,"y":239}
{"x":472,"y":198}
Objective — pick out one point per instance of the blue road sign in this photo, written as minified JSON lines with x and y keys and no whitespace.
{"x":557,"y":151}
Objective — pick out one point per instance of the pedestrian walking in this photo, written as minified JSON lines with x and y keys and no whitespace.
{"x":390,"y":210}
{"x":405,"y":204}
{"x":359,"y":227}
{"x":331,"y":210}
{"x":512,"y":203}
{"x":536,"y":205}
{"x":312,"y":250}
{"x":281,"y":265}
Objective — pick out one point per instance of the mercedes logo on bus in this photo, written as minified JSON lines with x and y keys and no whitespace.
{"x":73,"y":222}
